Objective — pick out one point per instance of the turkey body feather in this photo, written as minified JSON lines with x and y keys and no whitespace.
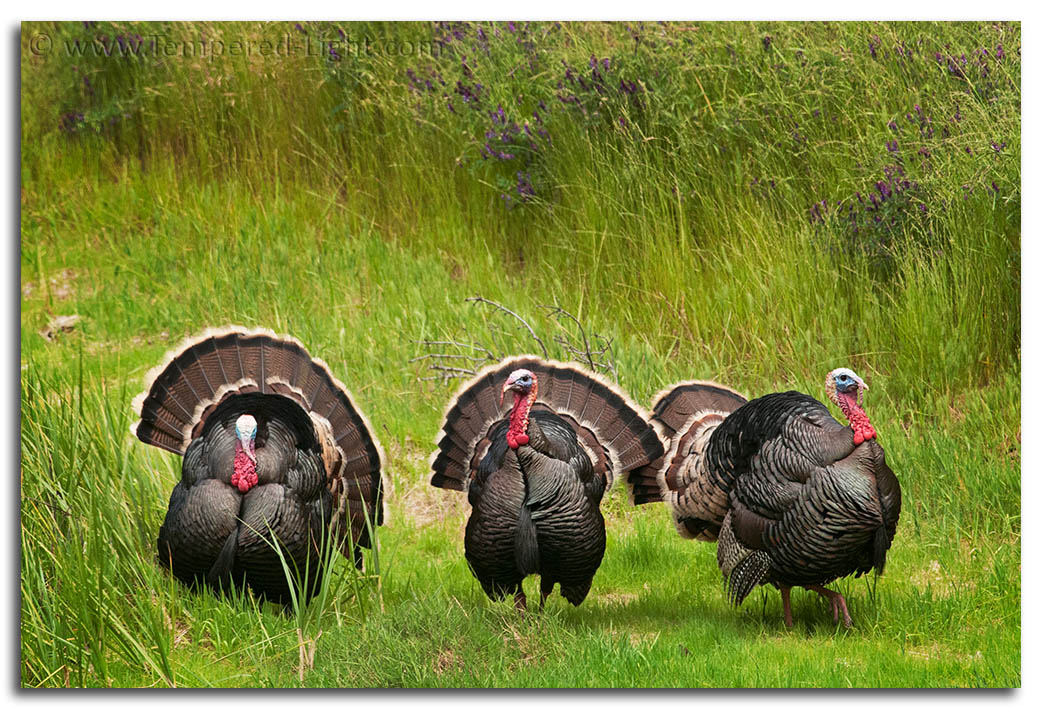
{"x":539,"y":507}
{"x":536,"y":505}
{"x":803,"y":493}
{"x":316,"y":462}
{"x":782,"y":487}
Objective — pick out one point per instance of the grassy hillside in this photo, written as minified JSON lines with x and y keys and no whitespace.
{"x":755,"y":203}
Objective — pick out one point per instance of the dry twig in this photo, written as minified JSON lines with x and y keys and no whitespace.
{"x":461,"y":357}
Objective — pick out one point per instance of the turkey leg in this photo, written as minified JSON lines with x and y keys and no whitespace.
{"x":838,"y":603}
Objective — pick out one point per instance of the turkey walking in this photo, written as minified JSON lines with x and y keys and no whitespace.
{"x":276,"y":453}
{"x":793,"y":497}
{"x":535,"y":472}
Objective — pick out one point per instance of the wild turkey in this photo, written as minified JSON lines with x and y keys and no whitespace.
{"x":535,"y":472}
{"x":794,"y":497}
{"x":275,"y":452}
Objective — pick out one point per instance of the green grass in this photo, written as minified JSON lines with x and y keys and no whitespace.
{"x":333,"y":202}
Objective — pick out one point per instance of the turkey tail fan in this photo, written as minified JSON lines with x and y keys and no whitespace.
{"x":615,"y":430}
{"x":192,"y":378}
{"x":208,"y":369}
{"x":673,"y":407}
{"x":682,"y":411}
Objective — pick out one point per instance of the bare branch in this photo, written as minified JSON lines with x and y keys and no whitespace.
{"x":461,"y":355}
{"x":489,"y":354}
{"x":586,"y":351}
{"x":555,"y":312}
{"x":446,"y":376}
{"x":442,"y":355}
{"x":494,"y":304}
{"x":444,"y":368}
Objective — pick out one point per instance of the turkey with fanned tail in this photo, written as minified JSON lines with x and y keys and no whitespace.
{"x":535,"y":471}
{"x":792,"y":496}
{"x":278,"y":459}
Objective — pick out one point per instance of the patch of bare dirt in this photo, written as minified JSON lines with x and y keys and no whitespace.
{"x":61,"y":286}
{"x":447,"y":660}
{"x":417,"y":499}
{"x":530,"y":648}
{"x":618,"y":599}
{"x":60,"y":324}
{"x":639,"y":639}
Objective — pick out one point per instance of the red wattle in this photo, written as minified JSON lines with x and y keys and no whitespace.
{"x":245,"y":470}
{"x":858,"y":419}
{"x":517,"y":431}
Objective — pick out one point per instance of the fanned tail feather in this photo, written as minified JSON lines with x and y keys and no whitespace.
{"x":209,"y":369}
{"x":615,"y":429}
{"x":680,"y":411}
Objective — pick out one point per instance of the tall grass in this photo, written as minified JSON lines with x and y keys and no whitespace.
{"x":705,"y":194}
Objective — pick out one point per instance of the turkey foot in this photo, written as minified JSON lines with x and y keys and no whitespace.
{"x":838,"y":603}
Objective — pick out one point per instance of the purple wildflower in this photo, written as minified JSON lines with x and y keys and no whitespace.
{"x":873,"y":45}
{"x":525,"y":190}
{"x":69,"y":122}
